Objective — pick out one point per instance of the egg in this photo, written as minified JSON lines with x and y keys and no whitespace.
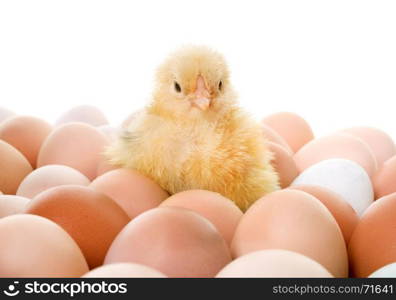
{"x":176,"y":241}
{"x":291,"y":127}
{"x":110,"y":132}
{"x":5,"y":114}
{"x":344,"y":177}
{"x":13,"y":168}
{"x":130,"y":118}
{"x":274,"y":263}
{"x":11,"y":205}
{"x":388,"y":271}
{"x":132,"y":191}
{"x":380,"y":143}
{"x":222,"y":212}
{"x":341,"y":210}
{"x":92,"y":219}
{"x":272,"y":136}
{"x":104,"y":166}
{"x":296,"y":221}
{"x":283,"y":164}
{"x":26,"y":134}
{"x":124,"y":270}
{"x":76,"y":145}
{"x":49,"y":176}
{"x":33,"y":246}
{"x":384,"y":180}
{"x":84,"y":113}
{"x":373,"y":243}
{"x":336,"y":146}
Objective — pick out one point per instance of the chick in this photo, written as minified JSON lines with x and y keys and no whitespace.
{"x":193,"y":135}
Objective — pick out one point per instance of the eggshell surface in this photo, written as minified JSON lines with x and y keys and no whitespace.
{"x":11,"y":205}
{"x":124,"y":270}
{"x":388,"y":271}
{"x":384,"y":180}
{"x":284,"y":165}
{"x":84,"y":113}
{"x":272,"y":136}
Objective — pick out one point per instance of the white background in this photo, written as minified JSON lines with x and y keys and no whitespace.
{"x":332,"y":62}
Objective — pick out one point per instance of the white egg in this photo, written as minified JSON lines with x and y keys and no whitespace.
{"x":386,"y":271}
{"x":344,"y":177}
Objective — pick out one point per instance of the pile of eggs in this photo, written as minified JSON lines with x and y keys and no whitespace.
{"x":64,"y":212}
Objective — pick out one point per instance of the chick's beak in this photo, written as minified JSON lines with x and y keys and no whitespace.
{"x":202,"y":97}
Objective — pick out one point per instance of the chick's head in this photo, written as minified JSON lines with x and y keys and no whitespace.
{"x":193,"y":81}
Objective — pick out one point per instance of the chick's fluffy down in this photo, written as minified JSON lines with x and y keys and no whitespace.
{"x":181,"y":147}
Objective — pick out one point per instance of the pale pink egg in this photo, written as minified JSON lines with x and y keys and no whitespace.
{"x":11,"y":205}
{"x":384,"y":180}
{"x":130,"y":118}
{"x":76,"y":145}
{"x":124,"y":270}
{"x":132,"y":191}
{"x":36,"y":247}
{"x":26,"y":134}
{"x":112,"y":133}
{"x":296,"y":221}
{"x":274,"y":263}
{"x":222,"y":212}
{"x":336,"y":146}
{"x":49,"y":176}
{"x":5,"y":114}
{"x":294,"y":129}
{"x":176,"y":241}
{"x":283,"y":164}
{"x":272,"y":136}
{"x":380,"y":143}
{"x":84,"y":113}
{"x":341,"y":210}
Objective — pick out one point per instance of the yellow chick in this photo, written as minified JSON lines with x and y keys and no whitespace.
{"x":193,"y":135}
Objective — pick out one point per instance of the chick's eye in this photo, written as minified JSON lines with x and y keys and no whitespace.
{"x":220,"y":85}
{"x":177,"y":87}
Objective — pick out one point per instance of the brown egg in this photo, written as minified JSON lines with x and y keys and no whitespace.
{"x":294,"y":129}
{"x":76,"y":145}
{"x":284,"y":165}
{"x":176,"y":241}
{"x":26,"y":134}
{"x":33,"y":246}
{"x":124,"y":270}
{"x":132,"y":191}
{"x":341,"y":210}
{"x":5,"y":114}
{"x":336,"y":146}
{"x":91,"y":218}
{"x":380,"y":143}
{"x":49,"y":176}
{"x":13,"y":168}
{"x":222,"y":212}
{"x":384,"y":181}
{"x":272,"y":136}
{"x":296,"y":221}
{"x":84,"y":113}
{"x":274,"y":263}
{"x":373,"y":242}
{"x":11,"y":205}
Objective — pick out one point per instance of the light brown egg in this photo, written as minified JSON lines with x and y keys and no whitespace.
{"x":341,"y":210}
{"x":110,"y":132}
{"x":13,"y":168}
{"x":274,"y":263}
{"x":5,"y":114}
{"x":222,"y":212}
{"x":336,"y":146}
{"x":294,"y":129}
{"x":91,"y":218}
{"x":11,"y":205}
{"x":50,"y":176}
{"x":384,"y":181}
{"x":284,"y":165}
{"x":33,"y":246}
{"x":84,"y":113}
{"x":132,"y":191}
{"x":380,"y":143}
{"x":26,"y":134}
{"x":76,"y":145}
{"x":272,"y":136}
{"x":296,"y":221}
{"x":104,"y":166}
{"x":176,"y":241}
{"x":124,"y":270}
{"x":373,"y":242}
